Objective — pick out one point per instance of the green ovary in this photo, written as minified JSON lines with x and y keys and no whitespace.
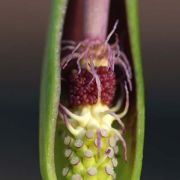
{"x":91,"y":146}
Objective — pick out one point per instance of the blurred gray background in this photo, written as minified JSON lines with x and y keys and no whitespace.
{"x":23,"y":26}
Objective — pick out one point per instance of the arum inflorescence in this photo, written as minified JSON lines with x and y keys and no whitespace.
{"x":92,"y":97}
{"x":92,"y":141}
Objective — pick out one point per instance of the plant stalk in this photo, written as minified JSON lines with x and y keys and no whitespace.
{"x":96,"y":16}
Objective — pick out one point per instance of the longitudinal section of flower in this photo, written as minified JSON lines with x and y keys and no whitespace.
{"x":92,"y":106}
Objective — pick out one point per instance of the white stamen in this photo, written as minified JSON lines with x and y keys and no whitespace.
{"x":67,"y":140}
{"x":75,"y":160}
{"x":76,"y":177}
{"x":78,"y":143}
{"x":104,"y":132}
{"x":68,"y":153}
{"x":88,"y":153}
{"x":109,"y":170}
{"x":89,"y":134}
{"x":114,"y":162}
{"x":112,"y":141}
{"x":65,"y":171}
{"x":92,"y":171}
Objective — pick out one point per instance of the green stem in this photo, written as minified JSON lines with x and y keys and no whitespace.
{"x":50,"y":90}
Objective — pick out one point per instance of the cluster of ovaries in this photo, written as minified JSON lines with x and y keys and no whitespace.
{"x":91,"y":107}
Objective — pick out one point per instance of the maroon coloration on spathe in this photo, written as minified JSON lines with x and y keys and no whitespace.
{"x":83,"y":89}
